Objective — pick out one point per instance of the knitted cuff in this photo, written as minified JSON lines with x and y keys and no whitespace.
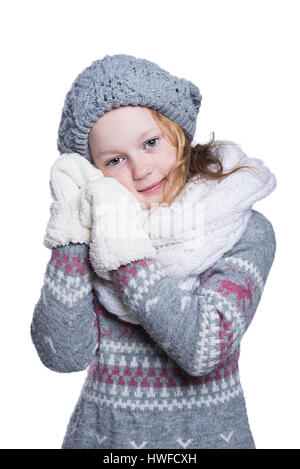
{"x":122,"y":276}
{"x":72,"y":259}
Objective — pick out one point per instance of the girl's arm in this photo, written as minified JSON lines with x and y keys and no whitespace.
{"x":63,"y":326}
{"x":201,"y":329}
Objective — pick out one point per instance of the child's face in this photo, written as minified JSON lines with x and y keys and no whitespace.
{"x":127,"y":144}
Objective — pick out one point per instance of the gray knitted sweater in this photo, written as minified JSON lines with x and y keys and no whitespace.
{"x":173,"y":380}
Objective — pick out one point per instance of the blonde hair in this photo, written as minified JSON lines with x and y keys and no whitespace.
{"x":191,"y":161}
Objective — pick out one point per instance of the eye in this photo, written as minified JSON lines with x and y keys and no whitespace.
{"x":115,"y":161}
{"x":110,"y":163}
{"x":151,"y":142}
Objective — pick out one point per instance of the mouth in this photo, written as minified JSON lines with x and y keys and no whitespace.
{"x":153,"y":188}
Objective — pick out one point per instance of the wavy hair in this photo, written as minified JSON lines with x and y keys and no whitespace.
{"x":191,"y":160}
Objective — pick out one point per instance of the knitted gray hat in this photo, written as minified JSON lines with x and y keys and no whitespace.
{"x":121,"y":80}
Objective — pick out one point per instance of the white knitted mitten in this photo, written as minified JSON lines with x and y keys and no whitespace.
{"x":69,"y":174}
{"x":115,"y":217}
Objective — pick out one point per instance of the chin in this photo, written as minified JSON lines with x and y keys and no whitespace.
{"x":153,"y":202}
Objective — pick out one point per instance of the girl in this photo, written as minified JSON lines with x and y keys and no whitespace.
{"x":158,"y":264}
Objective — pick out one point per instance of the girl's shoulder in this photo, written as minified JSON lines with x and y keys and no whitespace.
{"x":257,"y":245}
{"x":260,"y":228}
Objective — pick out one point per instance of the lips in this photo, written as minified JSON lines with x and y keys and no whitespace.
{"x":152,"y":185}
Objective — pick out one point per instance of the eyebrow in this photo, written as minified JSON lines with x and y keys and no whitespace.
{"x":106,"y":152}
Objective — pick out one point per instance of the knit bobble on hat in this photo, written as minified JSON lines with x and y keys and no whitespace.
{"x":122,"y":80}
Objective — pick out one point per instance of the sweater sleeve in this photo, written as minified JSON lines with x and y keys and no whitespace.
{"x":201,"y":327}
{"x":63,"y":327}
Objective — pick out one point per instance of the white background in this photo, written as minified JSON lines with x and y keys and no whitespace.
{"x":244,"y":56}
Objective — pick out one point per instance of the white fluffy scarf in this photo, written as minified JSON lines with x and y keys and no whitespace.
{"x":204,"y":221}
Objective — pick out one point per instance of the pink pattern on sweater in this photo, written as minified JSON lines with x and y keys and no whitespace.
{"x":239,"y":290}
{"x":126,"y":271}
{"x":77,"y":265}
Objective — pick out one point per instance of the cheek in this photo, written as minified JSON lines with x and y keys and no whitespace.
{"x":121,"y":178}
{"x":170,"y":160}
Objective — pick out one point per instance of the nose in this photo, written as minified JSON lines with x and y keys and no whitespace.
{"x":141,"y":170}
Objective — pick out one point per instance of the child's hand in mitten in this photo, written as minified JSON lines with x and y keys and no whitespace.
{"x":115,"y":217}
{"x":69,"y":174}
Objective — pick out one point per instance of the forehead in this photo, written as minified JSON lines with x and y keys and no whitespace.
{"x":133,"y":119}
{"x":122,"y":127}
